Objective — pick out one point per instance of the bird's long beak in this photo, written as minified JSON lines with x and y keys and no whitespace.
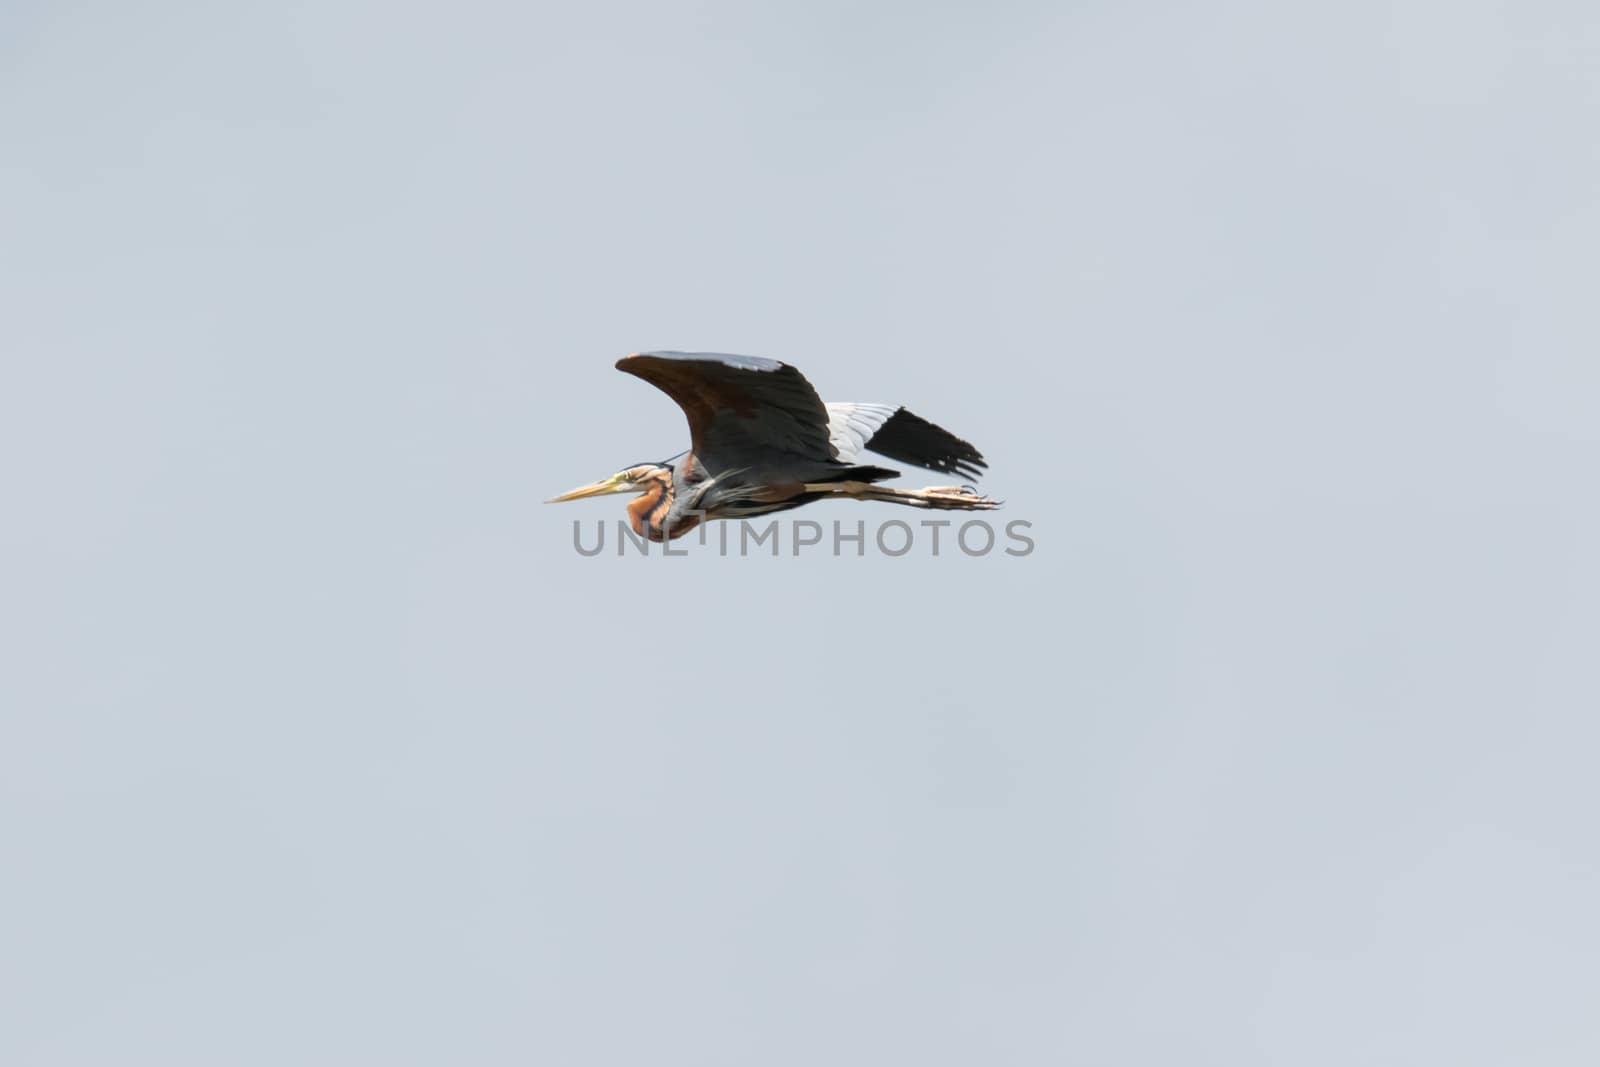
{"x":614,"y":484}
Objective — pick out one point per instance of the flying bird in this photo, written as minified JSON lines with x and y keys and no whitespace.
{"x":761,"y":440}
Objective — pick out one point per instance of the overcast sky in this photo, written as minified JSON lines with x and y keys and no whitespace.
{"x":319,"y":744}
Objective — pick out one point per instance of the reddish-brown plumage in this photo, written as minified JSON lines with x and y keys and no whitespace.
{"x":647,"y":514}
{"x":640,"y":507}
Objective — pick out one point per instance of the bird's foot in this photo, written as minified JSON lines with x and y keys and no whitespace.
{"x":956,"y":498}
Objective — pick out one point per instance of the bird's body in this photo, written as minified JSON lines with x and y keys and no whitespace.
{"x":763,"y":442}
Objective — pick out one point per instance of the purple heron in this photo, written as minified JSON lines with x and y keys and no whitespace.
{"x":761,"y":440}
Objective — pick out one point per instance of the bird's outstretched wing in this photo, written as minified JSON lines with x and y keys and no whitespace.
{"x":900,"y":435}
{"x":742,"y":410}
{"x":745,"y":411}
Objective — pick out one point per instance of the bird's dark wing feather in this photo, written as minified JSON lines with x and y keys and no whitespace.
{"x":913,"y":439}
{"x":743,"y":410}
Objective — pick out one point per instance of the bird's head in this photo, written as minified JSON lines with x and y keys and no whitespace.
{"x":636,"y":479}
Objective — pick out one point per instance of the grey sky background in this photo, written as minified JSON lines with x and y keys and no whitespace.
{"x":319,"y":744}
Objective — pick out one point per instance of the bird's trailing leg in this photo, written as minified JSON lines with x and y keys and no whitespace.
{"x":941,"y":497}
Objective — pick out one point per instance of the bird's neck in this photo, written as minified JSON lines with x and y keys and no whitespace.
{"x":648,"y":513}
